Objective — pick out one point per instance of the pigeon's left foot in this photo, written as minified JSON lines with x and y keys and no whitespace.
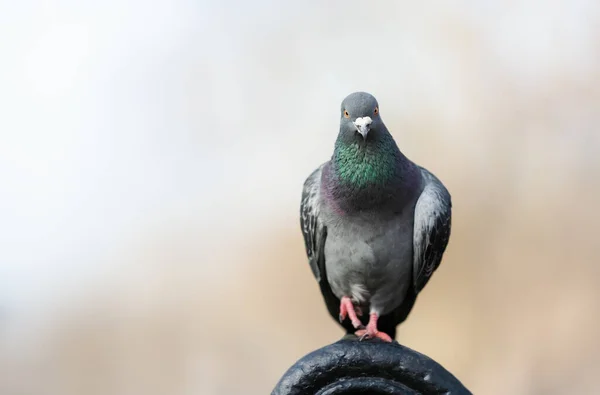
{"x":371,"y":331}
{"x":347,"y":309}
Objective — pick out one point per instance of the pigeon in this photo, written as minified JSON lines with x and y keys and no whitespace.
{"x":375,"y":224}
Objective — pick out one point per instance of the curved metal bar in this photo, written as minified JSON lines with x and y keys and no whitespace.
{"x":368,"y":367}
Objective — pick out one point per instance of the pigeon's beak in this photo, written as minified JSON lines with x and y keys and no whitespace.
{"x":363,"y":125}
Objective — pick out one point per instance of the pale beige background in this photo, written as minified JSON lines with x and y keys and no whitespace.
{"x":151,"y":163}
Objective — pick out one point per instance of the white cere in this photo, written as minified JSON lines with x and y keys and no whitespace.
{"x":363,"y":121}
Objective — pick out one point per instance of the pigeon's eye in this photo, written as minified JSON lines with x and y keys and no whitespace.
{"x":376,"y":111}
{"x":346,"y":114}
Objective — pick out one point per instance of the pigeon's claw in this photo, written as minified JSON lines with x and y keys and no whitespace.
{"x":364,"y":334}
{"x":347,"y":309}
{"x":343,"y":312}
{"x":371,"y":331}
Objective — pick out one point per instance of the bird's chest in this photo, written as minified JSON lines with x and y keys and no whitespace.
{"x":362,"y":253}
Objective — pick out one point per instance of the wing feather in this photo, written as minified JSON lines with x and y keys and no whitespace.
{"x":433,"y":217}
{"x":315,"y":234}
{"x":312,"y":228}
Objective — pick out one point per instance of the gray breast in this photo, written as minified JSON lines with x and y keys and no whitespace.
{"x":369,"y":258}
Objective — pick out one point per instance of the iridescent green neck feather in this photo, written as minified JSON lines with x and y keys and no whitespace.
{"x":361,"y":165}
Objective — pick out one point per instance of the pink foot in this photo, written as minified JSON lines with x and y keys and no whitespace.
{"x":347,"y":310}
{"x":371,"y":331}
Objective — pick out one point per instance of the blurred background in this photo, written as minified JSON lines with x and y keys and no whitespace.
{"x":152,"y":156}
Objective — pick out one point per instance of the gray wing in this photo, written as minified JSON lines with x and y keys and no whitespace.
{"x":312,"y":228}
{"x":433,"y":215}
{"x":315,"y":234}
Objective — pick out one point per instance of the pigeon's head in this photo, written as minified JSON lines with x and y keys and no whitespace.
{"x":360,"y":115}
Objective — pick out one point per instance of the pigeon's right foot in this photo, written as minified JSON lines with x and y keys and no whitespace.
{"x":371,"y":332}
{"x":347,"y":309}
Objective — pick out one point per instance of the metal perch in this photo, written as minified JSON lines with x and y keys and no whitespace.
{"x":368,"y":367}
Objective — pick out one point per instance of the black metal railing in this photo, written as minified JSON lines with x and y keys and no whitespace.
{"x":368,"y":367}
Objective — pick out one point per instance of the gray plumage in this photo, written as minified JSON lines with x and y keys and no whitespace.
{"x":375,"y":224}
